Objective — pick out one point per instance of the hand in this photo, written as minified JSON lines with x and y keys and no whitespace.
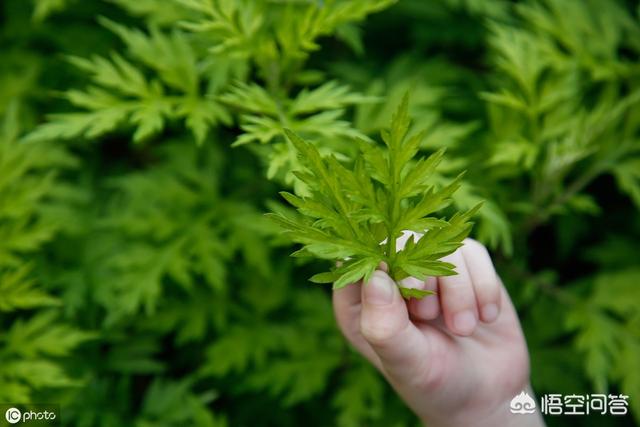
{"x":457,"y":358}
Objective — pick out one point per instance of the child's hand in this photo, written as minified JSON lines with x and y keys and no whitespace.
{"x":457,"y":358}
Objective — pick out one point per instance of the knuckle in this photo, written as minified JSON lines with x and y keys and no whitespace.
{"x":458,"y":287}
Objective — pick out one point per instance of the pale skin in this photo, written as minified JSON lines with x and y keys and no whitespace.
{"x":456,"y":358}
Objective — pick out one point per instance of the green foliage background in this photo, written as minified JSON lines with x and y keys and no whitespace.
{"x":140,"y":284}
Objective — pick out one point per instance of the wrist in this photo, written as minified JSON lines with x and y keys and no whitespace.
{"x":499,"y":415}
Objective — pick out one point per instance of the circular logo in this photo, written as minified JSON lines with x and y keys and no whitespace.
{"x":522,"y":404}
{"x":13,"y":415}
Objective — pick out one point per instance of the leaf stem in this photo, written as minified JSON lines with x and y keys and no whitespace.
{"x":391,"y":213}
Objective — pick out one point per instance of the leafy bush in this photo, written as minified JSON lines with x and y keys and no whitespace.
{"x":142,"y":143}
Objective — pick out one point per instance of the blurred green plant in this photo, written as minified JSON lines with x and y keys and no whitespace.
{"x":140,"y":284}
{"x":34,"y":341}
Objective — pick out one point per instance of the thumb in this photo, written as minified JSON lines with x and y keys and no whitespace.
{"x":385,"y":324}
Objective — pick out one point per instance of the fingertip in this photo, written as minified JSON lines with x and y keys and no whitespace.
{"x":491,"y":309}
{"x":380,"y":290}
{"x":489,"y":313}
{"x":457,"y":298}
{"x":485,"y":280}
{"x":384,"y":312}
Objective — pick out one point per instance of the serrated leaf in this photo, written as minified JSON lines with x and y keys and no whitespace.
{"x":348,"y":210}
{"x":422,"y":269}
{"x":352,"y":271}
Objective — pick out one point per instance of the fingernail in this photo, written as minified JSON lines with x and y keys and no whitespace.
{"x":465,"y":322}
{"x":489,"y":312}
{"x":379,"y":290}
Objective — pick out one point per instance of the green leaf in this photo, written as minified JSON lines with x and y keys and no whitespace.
{"x":347,"y":212}
{"x":18,"y":291}
{"x":353,"y":271}
{"x":408,"y":293}
{"x":42,"y":335}
{"x":122,"y":94}
{"x":422,"y":269}
{"x":329,"y":96}
{"x":326,"y":277}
